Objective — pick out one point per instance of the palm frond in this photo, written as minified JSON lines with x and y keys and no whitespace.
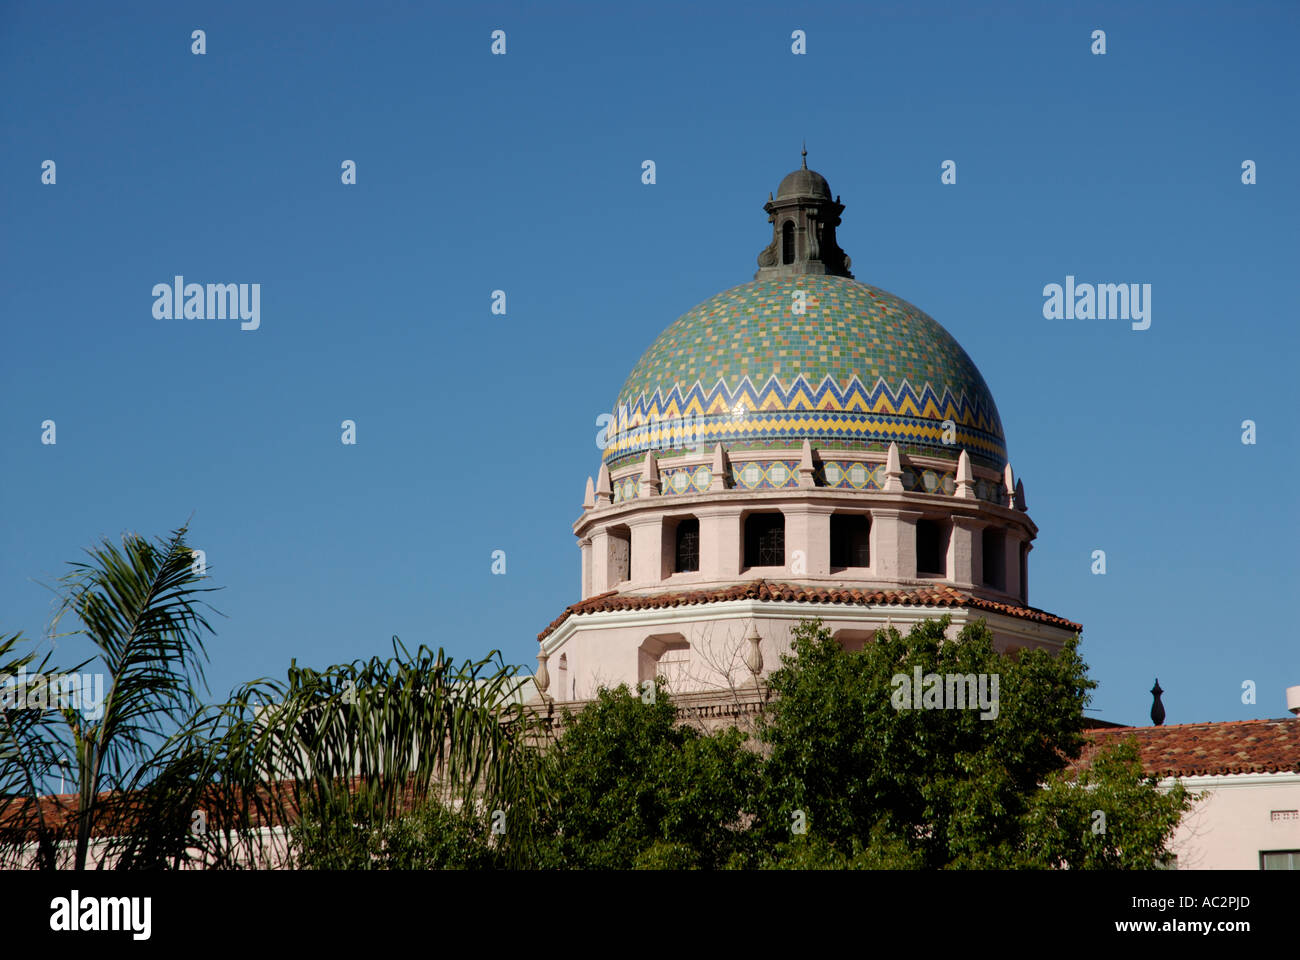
{"x":139,"y":605}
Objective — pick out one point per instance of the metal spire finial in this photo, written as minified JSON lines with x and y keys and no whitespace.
{"x":805,"y":154}
{"x":1157,"y":708}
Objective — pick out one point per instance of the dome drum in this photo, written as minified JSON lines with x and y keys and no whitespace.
{"x":628,"y":545}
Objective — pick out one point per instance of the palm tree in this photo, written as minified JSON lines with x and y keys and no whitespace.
{"x":28,"y":758}
{"x":139,"y":606}
{"x":162,"y":779}
{"x":371,"y":741}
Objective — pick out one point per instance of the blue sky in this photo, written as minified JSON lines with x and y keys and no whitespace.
{"x":522,"y":173}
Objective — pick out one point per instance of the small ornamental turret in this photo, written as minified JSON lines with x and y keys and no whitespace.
{"x":1157,"y":708}
{"x":589,"y":498}
{"x":803,"y":218}
{"x":1009,"y":486}
{"x":1020,"y":496}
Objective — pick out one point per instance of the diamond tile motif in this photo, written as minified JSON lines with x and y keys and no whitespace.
{"x":759,"y":475}
{"x":678,"y":480}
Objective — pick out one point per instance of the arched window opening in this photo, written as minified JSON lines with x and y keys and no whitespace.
{"x":686,"y":554}
{"x":664,"y":655}
{"x":787,"y":242}
{"x":931,"y":547}
{"x":995,"y":558}
{"x":620,"y":555}
{"x":850,"y":540}
{"x":765,"y":540}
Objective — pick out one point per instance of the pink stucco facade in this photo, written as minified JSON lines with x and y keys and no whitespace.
{"x":629,"y":549}
{"x":1239,"y":818}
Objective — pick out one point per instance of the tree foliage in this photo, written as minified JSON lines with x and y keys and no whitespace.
{"x":139,"y":606}
{"x":632,"y":787}
{"x":941,"y":788}
{"x":1111,"y":817}
{"x":428,"y":836}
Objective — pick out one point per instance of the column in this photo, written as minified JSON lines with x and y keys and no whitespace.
{"x":599,"y":561}
{"x":720,"y":543}
{"x":808,"y":529}
{"x":966,"y":551}
{"x":894,"y":542}
{"x":647,"y":549}
{"x":1011,"y":543}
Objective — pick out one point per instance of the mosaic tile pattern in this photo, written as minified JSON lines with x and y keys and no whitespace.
{"x":685,"y":480}
{"x":921,"y":434}
{"x":859,"y":364}
{"x":833,"y":474}
{"x":757,"y":475}
{"x":854,"y":475}
{"x":626,"y":489}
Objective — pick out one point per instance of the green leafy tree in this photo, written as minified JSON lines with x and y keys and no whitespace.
{"x":634,"y":788}
{"x":427,"y":837}
{"x":1111,"y":816}
{"x":854,"y":762}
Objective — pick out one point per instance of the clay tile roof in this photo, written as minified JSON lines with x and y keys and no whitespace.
{"x":58,"y":812}
{"x":1192,"y":749}
{"x":942,"y":596}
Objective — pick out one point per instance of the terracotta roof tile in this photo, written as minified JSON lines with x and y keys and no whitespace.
{"x":942,"y":596}
{"x":58,"y":811}
{"x":1192,"y":749}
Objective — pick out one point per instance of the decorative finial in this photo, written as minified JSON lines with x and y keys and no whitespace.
{"x":965,"y":476}
{"x":1157,"y":708}
{"x":718,"y":471}
{"x":893,"y":470}
{"x":805,"y":154}
{"x":754,"y":656}
{"x":542,"y":677}
{"x":806,"y":468}
{"x":604,"y":488}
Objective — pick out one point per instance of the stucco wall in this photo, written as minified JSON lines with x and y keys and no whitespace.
{"x":1229,"y":828}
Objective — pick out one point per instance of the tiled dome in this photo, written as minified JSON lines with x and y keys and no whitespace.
{"x":858,"y":368}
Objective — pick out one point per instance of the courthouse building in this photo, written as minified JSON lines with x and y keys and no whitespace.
{"x":804,"y":444}
{"x":808,"y":445}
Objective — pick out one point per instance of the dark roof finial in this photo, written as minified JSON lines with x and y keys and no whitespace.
{"x":1157,"y":708}
{"x":805,"y":154}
